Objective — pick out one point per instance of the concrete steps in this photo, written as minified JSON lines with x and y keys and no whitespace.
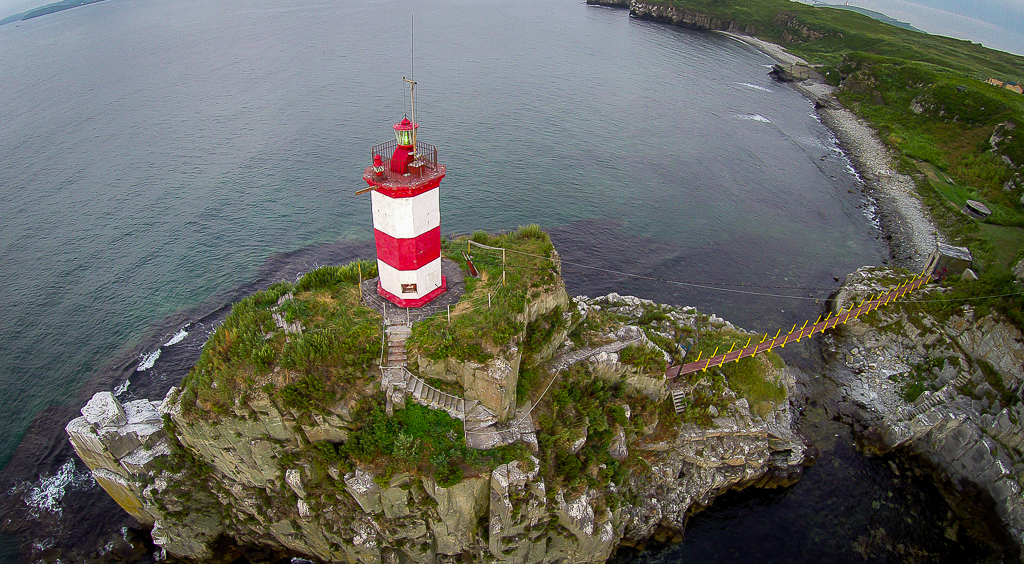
{"x":397,"y":335}
{"x":678,"y":398}
{"x":414,"y":387}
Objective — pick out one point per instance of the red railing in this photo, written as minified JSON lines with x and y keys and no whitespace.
{"x":425,"y":152}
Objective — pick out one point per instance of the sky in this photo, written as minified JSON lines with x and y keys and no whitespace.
{"x":998,"y":24}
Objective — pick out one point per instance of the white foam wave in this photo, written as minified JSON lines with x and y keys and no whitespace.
{"x":756,"y":87}
{"x":148,"y":360}
{"x":48,"y":493}
{"x":118,"y":391}
{"x":177,"y":338}
{"x":754,"y":117}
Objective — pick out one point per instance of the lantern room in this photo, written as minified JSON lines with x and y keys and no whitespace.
{"x":405,"y":132}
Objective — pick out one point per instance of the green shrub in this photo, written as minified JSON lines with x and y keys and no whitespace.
{"x":449,"y":475}
{"x":647,"y":359}
{"x":308,"y":394}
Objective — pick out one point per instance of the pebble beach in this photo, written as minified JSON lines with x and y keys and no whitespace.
{"x":910,"y":233}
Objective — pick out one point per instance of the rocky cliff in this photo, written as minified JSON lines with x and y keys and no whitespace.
{"x":616,"y":455}
{"x":676,"y":15}
{"x":941,"y":381}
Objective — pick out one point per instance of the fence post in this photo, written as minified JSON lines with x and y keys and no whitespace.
{"x":449,"y":314}
{"x":359,"y":265}
{"x":488,"y":300}
{"x":502,"y":266}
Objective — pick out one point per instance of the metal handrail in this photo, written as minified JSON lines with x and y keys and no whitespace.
{"x":426,"y":152}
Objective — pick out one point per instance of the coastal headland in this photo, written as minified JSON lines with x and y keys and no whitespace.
{"x":521,"y":425}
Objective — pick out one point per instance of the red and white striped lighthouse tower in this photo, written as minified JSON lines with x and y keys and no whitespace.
{"x":405,"y":180}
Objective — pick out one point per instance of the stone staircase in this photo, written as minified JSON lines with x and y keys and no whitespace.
{"x":481,"y":425}
{"x":929,"y":400}
{"x":397,"y":334}
{"x":432,"y":397}
{"x":397,"y":377}
{"x":677,"y":400}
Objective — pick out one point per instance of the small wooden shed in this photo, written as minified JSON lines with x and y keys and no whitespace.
{"x":947,"y":259}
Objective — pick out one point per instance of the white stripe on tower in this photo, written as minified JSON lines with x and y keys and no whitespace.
{"x":405,"y":218}
{"x":427,"y":278}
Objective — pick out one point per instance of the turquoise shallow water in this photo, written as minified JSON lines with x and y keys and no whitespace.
{"x":159,"y":157}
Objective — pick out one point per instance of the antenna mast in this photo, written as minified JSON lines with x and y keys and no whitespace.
{"x":412,"y":81}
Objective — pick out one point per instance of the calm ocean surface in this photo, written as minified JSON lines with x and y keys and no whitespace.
{"x":161,"y":158}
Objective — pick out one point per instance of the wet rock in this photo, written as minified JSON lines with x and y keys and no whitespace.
{"x":972,"y":439}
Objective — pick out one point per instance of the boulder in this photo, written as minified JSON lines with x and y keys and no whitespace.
{"x":103,"y":410}
{"x":365,"y":491}
{"x":459,"y":508}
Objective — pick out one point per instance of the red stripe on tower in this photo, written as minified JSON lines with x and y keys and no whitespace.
{"x":408,"y":254}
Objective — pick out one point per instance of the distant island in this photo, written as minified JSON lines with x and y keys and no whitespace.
{"x":871,"y":14}
{"x":47,"y":9}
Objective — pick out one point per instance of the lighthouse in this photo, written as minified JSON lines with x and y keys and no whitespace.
{"x":404,"y":182}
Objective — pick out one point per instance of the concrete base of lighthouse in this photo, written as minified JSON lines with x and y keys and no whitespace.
{"x":453,"y":276}
{"x":413,"y":302}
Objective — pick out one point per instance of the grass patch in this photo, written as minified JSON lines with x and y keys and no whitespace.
{"x":425,"y":441}
{"x":1007,"y":243}
{"x":480,"y":327}
{"x":248,"y":352}
{"x":750,"y":377}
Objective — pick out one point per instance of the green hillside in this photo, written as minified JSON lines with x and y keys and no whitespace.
{"x":823,"y":35}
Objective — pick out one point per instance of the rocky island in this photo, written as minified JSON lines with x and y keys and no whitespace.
{"x":538,"y":429}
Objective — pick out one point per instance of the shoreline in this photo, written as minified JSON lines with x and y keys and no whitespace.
{"x":909,"y":233}
{"x":886,"y":423}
